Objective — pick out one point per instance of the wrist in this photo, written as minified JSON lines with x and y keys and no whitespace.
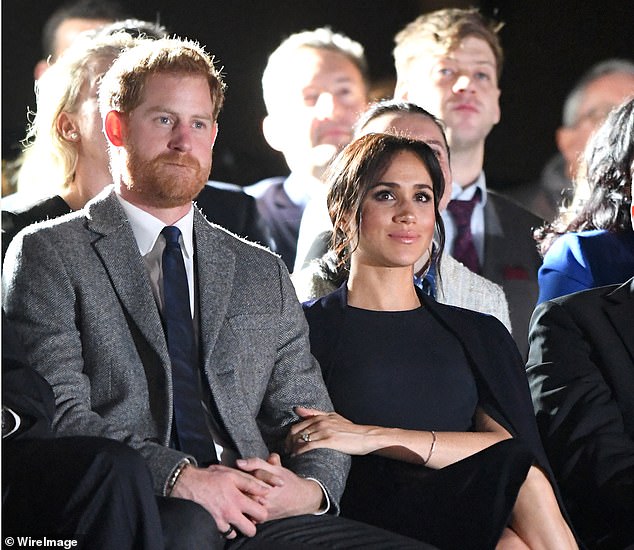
{"x":315,"y":499}
{"x":175,"y":477}
{"x":379,"y":438}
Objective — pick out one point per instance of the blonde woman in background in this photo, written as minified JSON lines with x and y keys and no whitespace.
{"x":65,"y":160}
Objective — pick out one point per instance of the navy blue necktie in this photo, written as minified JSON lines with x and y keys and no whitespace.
{"x":190,"y":434}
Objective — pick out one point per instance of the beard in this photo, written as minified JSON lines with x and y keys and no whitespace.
{"x":168,"y":180}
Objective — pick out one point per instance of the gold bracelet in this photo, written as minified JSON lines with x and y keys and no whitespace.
{"x":175,"y":475}
{"x":431,"y":449}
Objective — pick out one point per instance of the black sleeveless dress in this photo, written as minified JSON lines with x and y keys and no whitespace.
{"x":405,"y":370}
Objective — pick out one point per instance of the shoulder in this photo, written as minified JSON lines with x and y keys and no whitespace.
{"x":217,"y":190}
{"x":602,"y":242}
{"x":319,"y":278}
{"x":332,"y":304}
{"x":224,"y":203}
{"x":508,"y":209}
{"x":459,"y":276}
{"x":261,"y":187}
{"x":573,"y":248}
{"x":461,"y":287}
{"x":243,"y":249}
{"x":477,"y":330}
{"x":587,"y":301}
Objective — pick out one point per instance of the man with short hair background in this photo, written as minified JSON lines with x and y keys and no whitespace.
{"x":69,"y":21}
{"x":315,"y":84}
{"x":602,"y":88}
{"x":449,"y":62}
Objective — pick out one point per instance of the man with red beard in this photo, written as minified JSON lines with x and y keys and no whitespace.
{"x":161,"y":330}
{"x":449,"y":62}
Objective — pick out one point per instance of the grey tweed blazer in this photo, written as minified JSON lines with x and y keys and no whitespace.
{"x":78,"y":293}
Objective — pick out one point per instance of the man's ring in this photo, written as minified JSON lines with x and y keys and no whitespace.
{"x":226,"y":533}
{"x":305,"y":437}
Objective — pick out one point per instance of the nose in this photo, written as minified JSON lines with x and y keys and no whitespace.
{"x":405,"y":215}
{"x":462,"y":84}
{"x":325,"y":106}
{"x":180,"y":139}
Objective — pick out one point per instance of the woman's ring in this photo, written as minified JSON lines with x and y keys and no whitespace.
{"x":226,"y":533}
{"x":305,"y":437}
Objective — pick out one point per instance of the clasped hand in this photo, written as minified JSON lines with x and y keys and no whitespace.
{"x":255,"y":491}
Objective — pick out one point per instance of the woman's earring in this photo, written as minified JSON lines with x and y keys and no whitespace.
{"x":74,"y":136}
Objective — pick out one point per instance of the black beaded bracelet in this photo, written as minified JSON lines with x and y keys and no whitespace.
{"x":175,"y":475}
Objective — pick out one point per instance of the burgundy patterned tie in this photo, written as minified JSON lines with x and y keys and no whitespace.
{"x":463,"y":246}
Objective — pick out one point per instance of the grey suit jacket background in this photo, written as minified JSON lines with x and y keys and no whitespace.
{"x":79,"y":296}
{"x":511,"y":260}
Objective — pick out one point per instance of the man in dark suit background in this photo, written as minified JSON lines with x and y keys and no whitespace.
{"x":94,"y":490}
{"x":314,"y":85}
{"x":449,"y":62}
{"x":161,"y":330}
{"x":581,"y":371}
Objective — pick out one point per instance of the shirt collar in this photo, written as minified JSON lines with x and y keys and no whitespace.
{"x":147,"y":228}
{"x":466,"y":194}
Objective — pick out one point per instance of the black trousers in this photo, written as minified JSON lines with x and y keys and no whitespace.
{"x":101,"y":490}
{"x":188,"y":526}
{"x":93,"y":487}
{"x":314,"y":532}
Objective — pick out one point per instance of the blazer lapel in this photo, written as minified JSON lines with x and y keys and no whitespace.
{"x":620,"y":311}
{"x":215,"y":272}
{"x":120,"y":255}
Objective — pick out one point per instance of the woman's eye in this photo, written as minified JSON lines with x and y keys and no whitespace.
{"x":383,"y":195}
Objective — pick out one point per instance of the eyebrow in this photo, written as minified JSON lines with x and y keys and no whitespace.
{"x":161,"y":109}
{"x":394,"y":185}
{"x":475,"y":62}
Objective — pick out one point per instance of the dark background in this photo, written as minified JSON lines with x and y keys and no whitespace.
{"x":548,"y":44}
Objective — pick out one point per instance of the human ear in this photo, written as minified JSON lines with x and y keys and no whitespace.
{"x":568,"y":145}
{"x":67,"y":127}
{"x":214,"y":134}
{"x":273,"y":133}
{"x":40,"y":68}
{"x":114,"y":126}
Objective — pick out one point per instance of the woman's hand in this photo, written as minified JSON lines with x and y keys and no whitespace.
{"x":319,"y":430}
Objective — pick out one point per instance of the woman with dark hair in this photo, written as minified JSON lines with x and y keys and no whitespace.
{"x":460,"y":286}
{"x":432,"y":399}
{"x":592,"y":244}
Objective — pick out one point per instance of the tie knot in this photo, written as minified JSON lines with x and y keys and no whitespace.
{"x":171,"y":234}
{"x":461,"y":210}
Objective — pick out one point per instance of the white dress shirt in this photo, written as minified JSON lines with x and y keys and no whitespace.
{"x":147,"y":232}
